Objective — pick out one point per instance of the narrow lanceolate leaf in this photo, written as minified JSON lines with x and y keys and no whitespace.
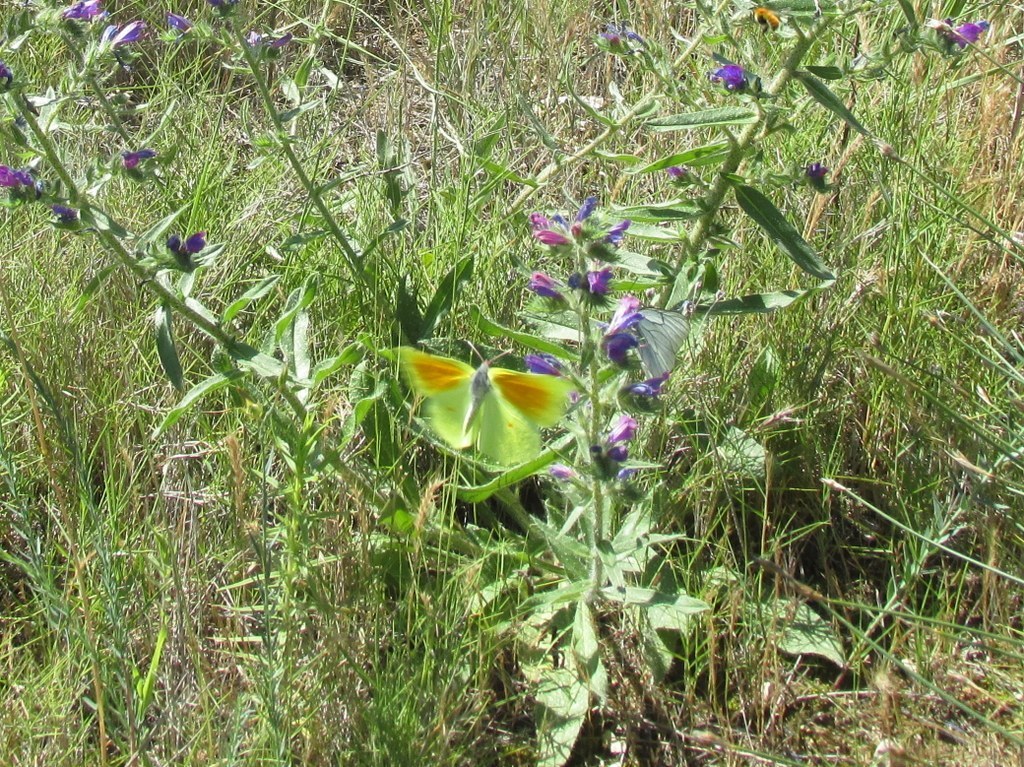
{"x":196,"y":393}
{"x":704,"y":119}
{"x":782,"y":233}
{"x":166,"y":349}
{"x":755,"y":303}
{"x":824,"y":96}
{"x":446,"y":294}
{"x":708,"y":154}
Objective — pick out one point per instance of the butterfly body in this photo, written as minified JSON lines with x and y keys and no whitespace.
{"x":497,"y":411}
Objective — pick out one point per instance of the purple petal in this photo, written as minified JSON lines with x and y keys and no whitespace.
{"x":599,"y":282}
{"x":543,"y":286}
{"x":649,"y":388}
{"x":587,"y":209}
{"x":195,"y":243}
{"x":543,"y":364}
{"x":625,"y":317}
{"x":731,"y":76}
{"x":619,"y":453}
{"x":623,"y":431}
{"x":617,"y":346}
{"x":561,"y":471}
{"x":179,"y":23}
{"x":617,"y":232}
{"x":65,"y":214}
{"x":552,"y":237}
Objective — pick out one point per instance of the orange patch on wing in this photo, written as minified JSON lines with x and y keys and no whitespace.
{"x":540,"y":398}
{"x":433,"y":374}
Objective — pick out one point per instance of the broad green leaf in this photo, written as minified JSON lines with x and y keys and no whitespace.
{"x":908,"y":12}
{"x":350,"y":355}
{"x":446,"y":294}
{"x":783,"y":234}
{"x":824,"y":96}
{"x":563,"y":702}
{"x":254,"y":293}
{"x":705,"y":118}
{"x":255,"y":361}
{"x":166,"y":349}
{"x":507,"y":478}
{"x":658,"y":656}
{"x":155,"y":233}
{"x":196,"y":393}
{"x":642,"y":231}
{"x":709,"y":154}
{"x":624,"y":159}
{"x":586,"y":648}
{"x":807,"y":633}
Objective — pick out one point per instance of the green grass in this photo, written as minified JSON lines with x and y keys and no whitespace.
{"x":319,"y":594}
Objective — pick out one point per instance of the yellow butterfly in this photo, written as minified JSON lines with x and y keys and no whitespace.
{"x":498,"y":411}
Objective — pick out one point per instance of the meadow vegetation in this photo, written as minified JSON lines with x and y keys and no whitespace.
{"x":232,"y":531}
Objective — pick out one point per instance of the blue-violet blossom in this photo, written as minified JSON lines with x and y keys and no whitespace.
{"x":731,"y":76}
{"x":131,"y":160}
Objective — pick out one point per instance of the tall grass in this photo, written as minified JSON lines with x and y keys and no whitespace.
{"x":295,"y":575}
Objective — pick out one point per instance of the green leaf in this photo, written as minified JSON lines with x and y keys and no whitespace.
{"x":166,"y":349}
{"x":407,"y":312}
{"x":586,"y":648}
{"x":623,"y":159}
{"x":657,"y":655}
{"x":196,"y":393}
{"x":807,"y":633}
{"x":91,"y":289}
{"x":908,"y":12}
{"x":155,"y":234}
{"x":782,"y":233}
{"x":254,"y":293}
{"x":708,"y":154}
{"x":704,"y":118}
{"x":742,"y":453}
{"x":350,"y":355}
{"x":756,"y":303}
{"x":563,"y":702}
{"x":826,"y":73}
{"x":99,"y":220}
{"x":144,"y":686}
{"x":491,"y":328}
{"x":672,"y":210}
{"x":299,"y":299}
{"x":680,"y":604}
{"x":445,"y":295}
{"x":824,"y":96}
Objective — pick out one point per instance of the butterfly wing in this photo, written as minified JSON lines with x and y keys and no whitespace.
{"x":446,"y":385}
{"x":662,"y":334}
{"x":515,"y":408}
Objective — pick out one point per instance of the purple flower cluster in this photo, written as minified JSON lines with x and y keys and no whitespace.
{"x":617,"y":339}
{"x":179,"y":23}
{"x":64,"y":214}
{"x":815,"y":174}
{"x":6,"y":75}
{"x":556,"y":232}
{"x":614,"y":450}
{"x":961,"y":36}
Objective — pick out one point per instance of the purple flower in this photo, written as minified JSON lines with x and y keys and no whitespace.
{"x":552,"y":237}
{"x":544,"y":286}
{"x":5,"y":73}
{"x":599,"y":282}
{"x":586,"y":209}
{"x":969,"y":33}
{"x":816,"y":171}
{"x":64,"y":214}
{"x":191,"y":246}
{"x":623,"y":431}
{"x":617,"y":346}
{"x":179,"y":23}
{"x":561,"y":471}
{"x":617,"y":232}
{"x":84,"y":10}
{"x":131,"y":160}
{"x":731,"y":76}
{"x":618,"y":453}
{"x":13,"y":179}
{"x":544,"y":364}
{"x":282,"y":41}
{"x":678,"y":172}
{"x":649,"y":388}
{"x":618,"y":36}
{"x":625,"y":317}
{"x":129,"y":33}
